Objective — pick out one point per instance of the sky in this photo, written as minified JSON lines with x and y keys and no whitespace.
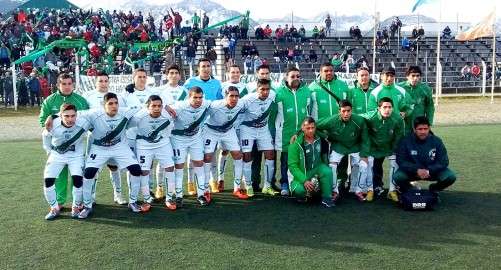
{"x":463,"y":10}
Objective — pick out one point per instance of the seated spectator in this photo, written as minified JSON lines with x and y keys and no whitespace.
{"x":466,"y":72}
{"x":321,"y":33}
{"x":277,"y":54}
{"x":253,"y":49}
{"x":259,"y":33}
{"x":248,"y":63}
{"x":245,"y":51}
{"x":92,"y":71}
{"x":406,"y":44}
{"x":302,"y":33}
{"x":315,"y":32}
{"x":475,"y":71}
{"x":267,"y":31}
{"x":290,"y":54}
{"x":415,"y":33}
{"x":447,"y":33}
{"x":279,"y":33}
{"x":357,"y":33}
{"x":298,"y":54}
{"x":257,"y":62}
{"x":313,"y":58}
{"x":421,"y":32}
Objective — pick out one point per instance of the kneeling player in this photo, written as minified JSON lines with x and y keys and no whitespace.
{"x":64,"y":146}
{"x":218,"y":128}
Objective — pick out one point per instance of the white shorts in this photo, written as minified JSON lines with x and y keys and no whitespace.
{"x":56,"y":162}
{"x":226,"y":141}
{"x":249,"y":135}
{"x":182,"y":145}
{"x":120,"y":155}
{"x":163,"y":154}
{"x":336,"y":157}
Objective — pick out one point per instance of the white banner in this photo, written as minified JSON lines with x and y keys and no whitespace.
{"x":117,"y":83}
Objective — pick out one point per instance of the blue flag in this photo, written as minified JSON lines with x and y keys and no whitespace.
{"x":420,"y":3}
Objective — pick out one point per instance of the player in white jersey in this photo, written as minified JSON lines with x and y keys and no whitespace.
{"x":153,"y":142}
{"x":187,"y":139}
{"x":254,"y":130}
{"x":95,"y":100}
{"x":64,"y":146}
{"x":219,"y":130}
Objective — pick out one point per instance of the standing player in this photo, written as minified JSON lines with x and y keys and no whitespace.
{"x":254,"y":130}
{"x":326,"y":92}
{"x":362,"y":88}
{"x":64,"y":147}
{"x":187,"y":139}
{"x":219,"y":130}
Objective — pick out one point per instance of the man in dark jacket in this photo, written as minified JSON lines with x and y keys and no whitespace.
{"x":421,"y":156}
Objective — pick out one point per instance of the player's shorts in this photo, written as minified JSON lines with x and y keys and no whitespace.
{"x":336,"y":157}
{"x":183,"y":145}
{"x":251,"y":135}
{"x":119,"y":154}
{"x":163,"y":154}
{"x":212,"y":139}
{"x":56,"y":162}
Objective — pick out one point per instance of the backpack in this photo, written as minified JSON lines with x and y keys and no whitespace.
{"x":415,"y":199}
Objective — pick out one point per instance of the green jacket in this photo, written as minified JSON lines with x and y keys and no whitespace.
{"x":323,"y":104}
{"x":401,"y":100}
{"x":384,"y":134}
{"x":52,"y":104}
{"x":292,"y":108}
{"x":302,"y":158}
{"x":359,"y":98}
{"x":346,"y":137}
{"x":421,"y":97}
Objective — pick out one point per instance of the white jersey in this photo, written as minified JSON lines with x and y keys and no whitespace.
{"x":171,"y":94}
{"x":95,"y":99}
{"x":257,"y":111}
{"x":152,"y":132}
{"x":221,"y":118}
{"x":66,"y":140}
{"x":138,"y":98}
{"x":106,"y":130}
{"x":242,"y":88}
{"x":252,"y":86}
{"x":189,"y":120}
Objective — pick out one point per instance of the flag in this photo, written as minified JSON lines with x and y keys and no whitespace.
{"x":420,"y":3}
{"x":483,"y":29}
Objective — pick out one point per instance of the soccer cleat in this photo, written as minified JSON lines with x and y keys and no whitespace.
{"x":149,"y":200}
{"x":171,"y":205}
{"x":208,"y":197}
{"x":213,"y":187}
{"x":370,"y":196}
{"x":179,"y":202}
{"x":360,"y":196}
{"x":284,"y":189}
{"x":159,"y":193}
{"x":119,"y":199}
{"x":75,"y":211}
{"x":239,"y":194}
{"x":220,"y":185}
{"x":134,"y":207}
{"x":335,"y":197}
{"x":269,"y":191}
{"x":392,"y":195}
{"x":85,"y":213}
{"x":53,"y":213}
{"x":145,"y":207}
{"x":202,"y":201}
{"x":328,"y":203}
{"x":191,"y":188}
{"x":250,"y":192}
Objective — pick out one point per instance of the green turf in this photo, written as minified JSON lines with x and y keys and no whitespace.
{"x":464,"y":232}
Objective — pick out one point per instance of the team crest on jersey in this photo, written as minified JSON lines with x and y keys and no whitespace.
{"x":391,"y":131}
{"x":432,"y":154}
{"x":263,"y":108}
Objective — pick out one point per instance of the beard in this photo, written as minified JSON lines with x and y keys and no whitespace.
{"x":295,"y":84}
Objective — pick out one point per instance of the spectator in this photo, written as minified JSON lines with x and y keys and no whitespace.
{"x":279,"y":34}
{"x":396,"y":24}
{"x":248,"y":64}
{"x":225,"y":43}
{"x":447,"y":33}
{"x":22,"y":90}
{"x":195,"y":20}
{"x":313,"y":58}
{"x":257,"y":62}
{"x":290,"y":55}
{"x":406,"y":46}
{"x":336,"y":62}
{"x":233,"y":45}
{"x":267,"y":31}
{"x":466,"y":72}
{"x":278,"y":55}
{"x":34,"y":89}
{"x":92,"y":71}
{"x":8,"y":89}
{"x":4,"y":56}
{"x":315,"y":32}
{"x":191,"y":52}
{"x":475,"y":71}
{"x":328,"y":23}
{"x":205,"y":21}
{"x":210,"y":42}
{"x":302,"y":33}
{"x":211,"y":55}
{"x":253,"y":49}
{"x":259,"y":33}
{"x":44,"y":87}
{"x":298,"y":54}
{"x":415,"y":33}
{"x":421,"y":32}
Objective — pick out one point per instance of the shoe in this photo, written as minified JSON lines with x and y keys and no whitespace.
{"x":85,"y":213}
{"x":379,"y":191}
{"x":202,"y":201}
{"x":119,"y":199}
{"x":392,"y":195}
{"x":150,"y":200}
{"x":179,"y":202}
{"x":171,"y":205}
{"x":370,"y":196}
{"x":134,"y":207}
{"x":208,"y":197}
{"x":250,"y":192}
{"x":191,"y":188}
{"x":159,"y":193}
{"x":213,"y":187}
{"x":334,"y":197}
{"x":220,"y":185}
{"x":328,"y":203}
{"x":75,"y":211}
{"x":239,"y":194}
{"x":360,"y":196}
{"x":269,"y":191}
{"x":145,"y":207}
{"x":285,"y":190}
{"x":53,"y":213}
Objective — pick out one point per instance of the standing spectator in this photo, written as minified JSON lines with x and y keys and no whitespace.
{"x":22,"y":90}
{"x":421,"y":32}
{"x":210,"y":42}
{"x":315,"y":32}
{"x":466,"y":72}
{"x":191,"y":52}
{"x":328,"y":23}
{"x":298,"y":54}
{"x":475,"y":71}
{"x":406,"y":45}
{"x":313,"y":58}
{"x":44,"y":87}
{"x":4,"y":56}
{"x":233,"y":45}
{"x":178,"y":19}
{"x":34,"y":89}
{"x":8,"y":89}
{"x":279,"y":33}
{"x":225,"y":43}
{"x":257,"y":62}
{"x":205,"y":21}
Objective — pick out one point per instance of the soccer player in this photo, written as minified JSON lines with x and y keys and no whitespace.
{"x":95,"y":100}
{"x":385,"y":130}
{"x":362,"y":88}
{"x":219,"y":130}
{"x":64,"y":146}
{"x":153,"y":142}
{"x":187,"y":139}
{"x":293,"y":101}
{"x":254,"y":130}
{"x":347,"y":134}
{"x":51,"y":106}
{"x":307,"y":160}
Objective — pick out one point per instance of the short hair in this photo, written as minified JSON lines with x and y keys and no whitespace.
{"x":263,"y":66}
{"x":326,"y":64}
{"x":109,"y":96}
{"x":203,"y":60}
{"x":153,"y":98}
{"x":363,"y":68}
{"x":64,"y":76}
{"x":383,"y":100}
{"x":291,"y":69}
{"x":173,"y":66}
{"x":308,"y":120}
{"x":195,"y":90}
{"x":262,"y":82}
{"x":102,"y":73}
{"x":67,"y":107}
{"x":345,"y":103}
{"x":231,"y":88}
{"x":138,"y":70}
{"x":413,"y":69}
{"x":421,"y":120}
{"x":234,"y":66}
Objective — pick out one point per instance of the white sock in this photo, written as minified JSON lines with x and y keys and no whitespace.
{"x":145,"y":187}
{"x":189,"y":169}
{"x":202,"y":184}
{"x":94,"y":185}
{"x":222,"y":167}
{"x":151,"y":180}
{"x":354,"y":177}
{"x":334,"y":177}
{"x":237,"y":172}
{"x":134,"y":186}
{"x":269,"y":167}
{"x":393,"y":168}
{"x":247,"y":171}
{"x":77,"y":194}
{"x":213,"y":170}
{"x":160,"y":176}
{"x":88,"y":185}
{"x":50,"y":195}
{"x":370,"y":175}
{"x":207,"y":170}
{"x":116,"y":181}
{"x":170,"y":179}
{"x":179,"y":182}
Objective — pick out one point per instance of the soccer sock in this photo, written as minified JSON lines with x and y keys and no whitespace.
{"x":160,"y":176}
{"x":170,"y":179}
{"x":354,"y":178}
{"x":334,"y":177}
{"x":179,"y":182}
{"x":393,"y":168}
{"x":94,"y":185}
{"x":189,"y":168}
{"x":207,"y":170}
{"x":222,"y":166}
{"x":116,"y":181}
{"x":269,"y":168}
{"x":151,"y":180}
{"x":237,"y":172}
{"x":202,"y":185}
{"x":134,"y":186}
{"x":247,"y":171}
{"x":370,"y":184}
{"x":50,"y":195}
{"x":362,"y":176}
{"x":145,"y":187}
{"x":77,"y":196}
{"x":88,"y":186}
{"x":213,"y":170}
